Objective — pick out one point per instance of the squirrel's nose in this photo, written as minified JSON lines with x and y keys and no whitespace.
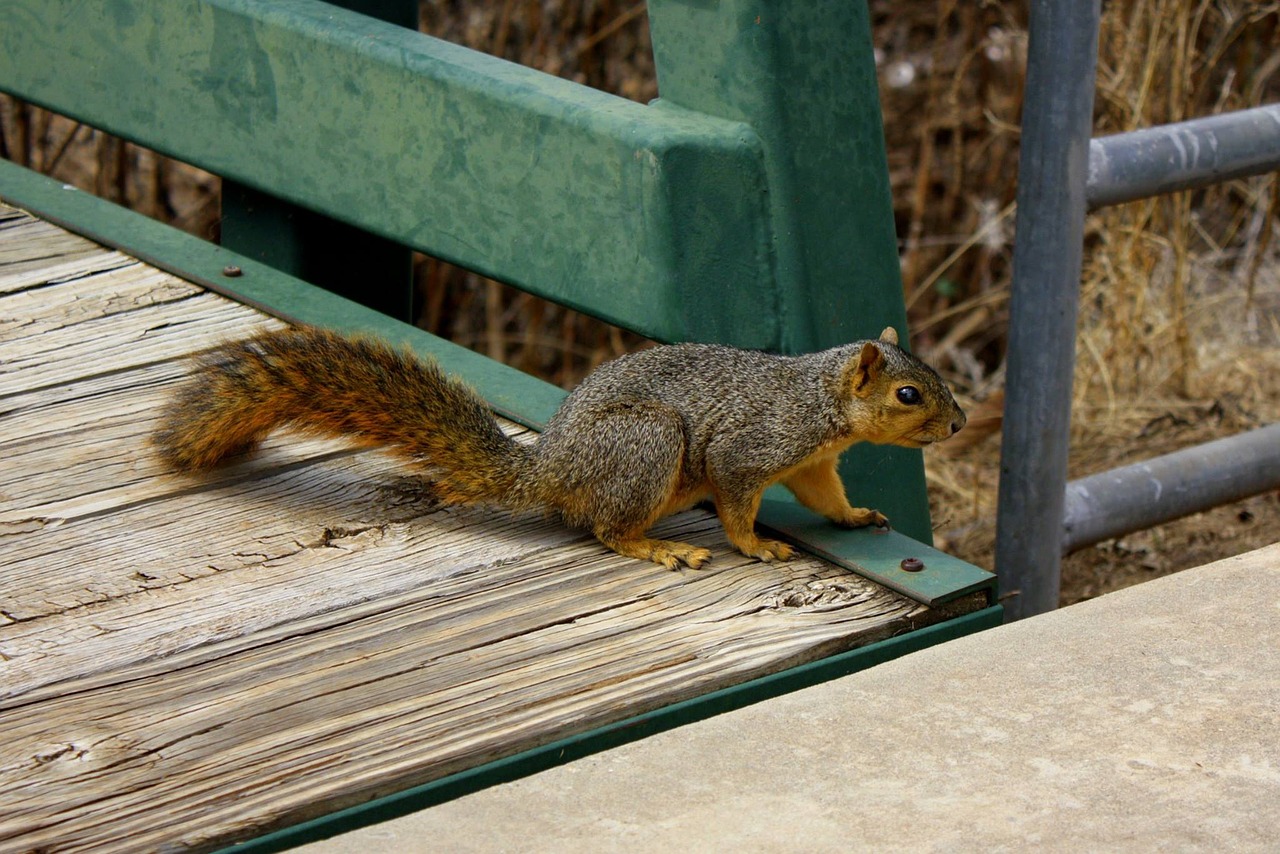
{"x":956,"y":425}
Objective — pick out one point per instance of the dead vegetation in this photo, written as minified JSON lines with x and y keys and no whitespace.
{"x":1179,"y":337}
{"x":1179,"y":333}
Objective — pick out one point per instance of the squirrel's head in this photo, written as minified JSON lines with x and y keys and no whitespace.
{"x":896,"y":399}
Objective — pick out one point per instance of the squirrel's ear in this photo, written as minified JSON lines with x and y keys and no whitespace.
{"x":889,"y":336}
{"x":866,"y":368}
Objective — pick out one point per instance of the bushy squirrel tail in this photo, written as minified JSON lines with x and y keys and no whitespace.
{"x":327,"y":384}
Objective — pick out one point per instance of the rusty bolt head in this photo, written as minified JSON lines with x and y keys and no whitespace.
{"x":911,"y":564}
{"x":231,"y":271}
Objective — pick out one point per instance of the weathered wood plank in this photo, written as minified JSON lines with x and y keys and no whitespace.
{"x":96,"y":346}
{"x":96,"y":434}
{"x":32,"y":246}
{"x":93,"y":295}
{"x":51,"y":271}
{"x":188,"y":660}
{"x":436,"y":681}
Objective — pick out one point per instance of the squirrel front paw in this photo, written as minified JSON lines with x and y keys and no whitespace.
{"x":861,"y":517}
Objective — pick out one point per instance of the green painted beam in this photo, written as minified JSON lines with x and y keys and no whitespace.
{"x":626,"y":211}
{"x":878,"y":555}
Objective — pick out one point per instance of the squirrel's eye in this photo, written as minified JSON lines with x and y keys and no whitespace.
{"x":909,"y":394}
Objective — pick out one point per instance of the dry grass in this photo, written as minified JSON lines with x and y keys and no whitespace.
{"x":1179,"y":334}
{"x":1179,"y":337}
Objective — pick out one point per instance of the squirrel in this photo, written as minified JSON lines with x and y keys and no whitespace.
{"x":648,"y":434}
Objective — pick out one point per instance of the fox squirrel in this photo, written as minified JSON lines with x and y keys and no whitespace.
{"x":643,"y":436}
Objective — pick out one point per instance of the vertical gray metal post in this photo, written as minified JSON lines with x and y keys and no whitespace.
{"x":1057,"y":124}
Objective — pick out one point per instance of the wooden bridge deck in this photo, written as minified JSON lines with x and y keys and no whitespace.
{"x":188,"y":662}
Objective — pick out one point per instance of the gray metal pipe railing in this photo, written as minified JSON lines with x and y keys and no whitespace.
{"x":1057,"y":122}
{"x":1061,"y":170}
{"x":1198,"y":478}
{"x":1183,"y":156}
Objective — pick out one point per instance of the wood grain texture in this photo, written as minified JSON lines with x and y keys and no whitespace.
{"x":32,"y":251}
{"x":186,"y":661}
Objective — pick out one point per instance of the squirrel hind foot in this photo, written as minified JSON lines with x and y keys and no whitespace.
{"x":767,"y":550}
{"x":669,"y":553}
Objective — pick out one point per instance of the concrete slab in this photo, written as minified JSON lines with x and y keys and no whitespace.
{"x":1145,"y":720}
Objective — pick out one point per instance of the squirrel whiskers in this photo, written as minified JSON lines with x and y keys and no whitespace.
{"x":643,"y":436}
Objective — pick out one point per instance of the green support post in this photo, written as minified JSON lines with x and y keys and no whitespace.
{"x":341,"y":258}
{"x":802,"y":75}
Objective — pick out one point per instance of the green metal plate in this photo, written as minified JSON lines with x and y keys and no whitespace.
{"x":877,"y":554}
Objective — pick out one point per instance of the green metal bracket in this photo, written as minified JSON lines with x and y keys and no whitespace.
{"x":879,"y":555}
{"x":512,"y":393}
